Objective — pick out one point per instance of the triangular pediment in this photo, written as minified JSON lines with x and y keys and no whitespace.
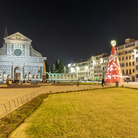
{"x":17,"y":36}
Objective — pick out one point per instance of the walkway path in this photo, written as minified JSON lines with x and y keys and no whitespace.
{"x":129,"y":85}
{"x":13,"y":98}
{"x":7,"y":94}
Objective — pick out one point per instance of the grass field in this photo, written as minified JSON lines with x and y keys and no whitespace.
{"x":97,"y":113}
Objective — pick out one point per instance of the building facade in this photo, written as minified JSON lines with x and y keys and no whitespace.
{"x":62,"y":77}
{"x":98,"y":64}
{"x":81,"y":69}
{"x":19,"y":61}
{"x":128,"y":59}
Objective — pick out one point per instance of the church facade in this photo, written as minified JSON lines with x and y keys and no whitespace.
{"x":19,"y":61}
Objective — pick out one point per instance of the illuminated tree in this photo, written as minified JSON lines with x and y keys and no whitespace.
{"x":114,"y":72}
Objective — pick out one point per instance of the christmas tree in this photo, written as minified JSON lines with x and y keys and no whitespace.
{"x":114,"y":72}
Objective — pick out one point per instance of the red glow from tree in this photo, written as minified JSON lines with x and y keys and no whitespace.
{"x":114,"y":72}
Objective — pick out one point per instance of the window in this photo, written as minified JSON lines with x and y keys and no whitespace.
{"x":126,"y":64}
{"x":129,"y":63}
{"x":126,"y":72}
{"x":133,"y":63}
{"x":136,"y":75}
{"x":136,"y":58}
{"x":130,"y":71}
{"x":119,"y":59}
{"x":130,"y":51}
{"x":133,"y":70}
{"x":121,"y":47}
{"x":137,"y":67}
{"x":122,"y":65}
{"x":123,"y":72}
{"x":128,"y":45}
{"x":125,"y":52}
{"x":132,"y":56}
{"x":127,"y":58}
{"x":122,"y":58}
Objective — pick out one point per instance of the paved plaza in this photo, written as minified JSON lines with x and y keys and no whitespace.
{"x":128,"y":85}
{"x":7,"y":94}
{"x":13,"y":98}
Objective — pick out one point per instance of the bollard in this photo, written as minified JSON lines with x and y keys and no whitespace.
{"x":117,"y":83}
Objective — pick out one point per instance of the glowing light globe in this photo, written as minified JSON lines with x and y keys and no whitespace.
{"x":113,"y":43}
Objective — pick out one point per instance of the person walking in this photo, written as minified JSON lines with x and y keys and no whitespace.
{"x":102,"y":82}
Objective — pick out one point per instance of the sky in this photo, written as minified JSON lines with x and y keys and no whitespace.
{"x":70,"y":30}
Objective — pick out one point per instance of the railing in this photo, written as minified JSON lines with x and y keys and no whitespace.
{"x":13,"y":104}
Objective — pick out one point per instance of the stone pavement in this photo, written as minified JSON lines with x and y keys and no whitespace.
{"x":7,"y":94}
{"x":13,"y":98}
{"x":127,"y":85}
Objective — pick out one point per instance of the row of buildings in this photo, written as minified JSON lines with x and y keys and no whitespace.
{"x":95,"y":67}
{"x":19,"y":61}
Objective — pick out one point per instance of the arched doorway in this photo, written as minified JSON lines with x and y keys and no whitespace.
{"x":29,"y":76}
{"x":17,"y":73}
{"x":4,"y":76}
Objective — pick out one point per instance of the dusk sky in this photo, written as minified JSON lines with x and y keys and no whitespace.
{"x":70,"y":30}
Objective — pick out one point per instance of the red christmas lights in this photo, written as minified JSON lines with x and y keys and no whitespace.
{"x":114,"y":72}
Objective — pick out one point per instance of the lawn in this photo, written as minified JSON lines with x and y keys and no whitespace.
{"x":98,"y":113}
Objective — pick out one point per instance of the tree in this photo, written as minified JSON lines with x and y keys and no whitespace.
{"x":59,"y":66}
{"x":114,"y":72}
{"x":47,"y":68}
{"x":53,"y":68}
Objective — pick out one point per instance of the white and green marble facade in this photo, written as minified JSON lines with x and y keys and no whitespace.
{"x":18,"y":56}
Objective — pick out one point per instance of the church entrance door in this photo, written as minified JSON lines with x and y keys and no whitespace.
{"x":17,"y":73}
